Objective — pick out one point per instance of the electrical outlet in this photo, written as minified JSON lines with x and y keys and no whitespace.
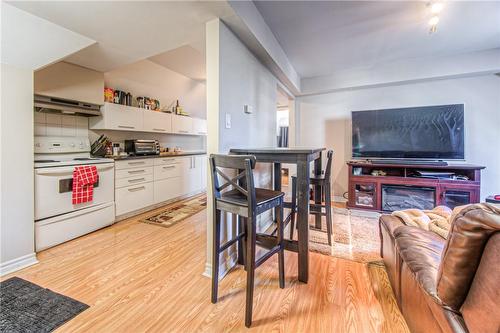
{"x":248,"y":109}
{"x":228,"y":120}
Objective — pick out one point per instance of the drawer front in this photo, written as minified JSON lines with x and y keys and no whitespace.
{"x":127,"y":164}
{"x":135,"y":197}
{"x":167,"y":189}
{"x":134,"y":172}
{"x":136,"y":180}
{"x":167,"y":160}
{"x":167,"y":171}
{"x":157,"y":122}
{"x":182,"y":125}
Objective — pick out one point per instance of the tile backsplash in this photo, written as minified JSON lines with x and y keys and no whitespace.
{"x":48,"y":124}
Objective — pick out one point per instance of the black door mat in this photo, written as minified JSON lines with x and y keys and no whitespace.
{"x":26,"y":307}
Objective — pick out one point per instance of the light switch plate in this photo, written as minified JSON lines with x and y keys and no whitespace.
{"x":248,"y":109}
{"x":228,"y":120}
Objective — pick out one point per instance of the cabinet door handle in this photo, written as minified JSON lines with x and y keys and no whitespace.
{"x":124,"y":126}
{"x":136,"y":180}
{"x":136,"y":163}
{"x":159,"y":129}
{"x":135,"y":189}
{"x":169,"y":167}
{"x":183,"y":131}
{"x":136,"y":171}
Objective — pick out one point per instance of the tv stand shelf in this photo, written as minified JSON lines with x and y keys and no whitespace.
{"x":393,"y":186}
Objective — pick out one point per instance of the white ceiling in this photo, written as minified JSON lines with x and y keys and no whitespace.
{"x":321,"y":38}
{"x":129,"y":31}
{"x":185,"y":60}
{"x":35,"y":42}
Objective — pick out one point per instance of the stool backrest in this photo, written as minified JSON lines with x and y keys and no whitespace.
{"x":328,"y":170}
{"x":223,"y":167}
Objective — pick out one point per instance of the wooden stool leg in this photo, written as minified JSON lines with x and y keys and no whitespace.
{"x":328,"y":207}
{"x":250,"y":265}
{"x":281,"y":253}
{"x":215,"y":253}
{"x":242,"y":242}
{"x":294,"y":206}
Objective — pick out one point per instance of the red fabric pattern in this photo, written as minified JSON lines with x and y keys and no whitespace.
{"x":84,"y":178}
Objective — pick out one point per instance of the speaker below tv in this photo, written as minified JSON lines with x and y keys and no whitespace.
{"x":409,"y":135}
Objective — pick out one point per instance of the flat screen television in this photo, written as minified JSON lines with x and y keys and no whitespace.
{"x":430,"y":132}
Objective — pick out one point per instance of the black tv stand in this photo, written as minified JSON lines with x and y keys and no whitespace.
{"x":409,"y":162}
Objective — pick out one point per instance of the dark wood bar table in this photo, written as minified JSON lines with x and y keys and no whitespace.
{"x":302,"y":157}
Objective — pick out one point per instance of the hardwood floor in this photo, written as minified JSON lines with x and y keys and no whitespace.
{"x":138,"y":277}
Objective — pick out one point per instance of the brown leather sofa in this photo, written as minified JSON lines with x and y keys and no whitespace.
{"x":448,"y":285}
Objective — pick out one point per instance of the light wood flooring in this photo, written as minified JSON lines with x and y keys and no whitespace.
{"x":138,"y":277}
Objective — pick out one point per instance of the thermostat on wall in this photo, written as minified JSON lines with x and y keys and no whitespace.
{"x":248,"y":109}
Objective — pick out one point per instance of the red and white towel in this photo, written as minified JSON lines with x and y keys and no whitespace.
{"x":84,"y":178}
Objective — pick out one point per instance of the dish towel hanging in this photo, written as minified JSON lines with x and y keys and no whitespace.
{"x":84,"y":178}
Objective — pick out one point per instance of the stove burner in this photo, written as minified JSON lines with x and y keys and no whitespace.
{"x":46,"y":161}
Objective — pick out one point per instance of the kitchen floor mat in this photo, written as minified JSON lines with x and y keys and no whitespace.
{"x":177,"y":212}
{"x":26,"y":307}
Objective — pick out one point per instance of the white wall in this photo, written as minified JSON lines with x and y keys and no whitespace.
{"x":244,"y":80}
{"x":146,"y":78}
{"x":324,"y":120}
{"x":235,"y":78}
{"x":16,"y":169}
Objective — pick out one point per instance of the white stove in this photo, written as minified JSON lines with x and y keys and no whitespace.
{"x":56,"y":219}
{"x":53,"y":151}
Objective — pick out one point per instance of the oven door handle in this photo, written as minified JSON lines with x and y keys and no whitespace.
{"x":69,"y":170}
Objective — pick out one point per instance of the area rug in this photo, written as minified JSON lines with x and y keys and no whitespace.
{"x":355,"y":237}
{"x":26,"y":307}
{"x":177,"y":212}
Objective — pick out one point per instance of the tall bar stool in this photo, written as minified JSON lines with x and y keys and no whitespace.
{"x":238,"y":195}
{"x":324,"y":181}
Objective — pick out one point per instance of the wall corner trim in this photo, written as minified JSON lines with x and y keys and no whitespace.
{"x":18,"y":263}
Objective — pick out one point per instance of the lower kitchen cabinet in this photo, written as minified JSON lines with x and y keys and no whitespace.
{"x":167,"y":189}
{"x":140,"y":183}
{"x":130,"y":198}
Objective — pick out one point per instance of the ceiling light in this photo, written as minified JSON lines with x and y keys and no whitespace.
{"x":437,"y":7}
{"x":434,"y":20}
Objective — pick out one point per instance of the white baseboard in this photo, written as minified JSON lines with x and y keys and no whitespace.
{"x":17,"y":264}
{"x":224,"y":266}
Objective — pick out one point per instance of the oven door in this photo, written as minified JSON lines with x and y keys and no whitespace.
{"x":53,"y":190}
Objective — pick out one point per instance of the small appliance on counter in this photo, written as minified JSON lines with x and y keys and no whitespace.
{"x":142,"y":147}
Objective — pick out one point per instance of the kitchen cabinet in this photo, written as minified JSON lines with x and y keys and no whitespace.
{"x":134,"y":187}
{"x":118,"y":117}
{"x":130,"y":118}
{"x":130,"y":198}
{"x":68,"y":81}
{"x":158,"y":122}
{"x":140,"y":183}
{"x":194,"y":174}
{"x":199,"y":126}
{"x":182,"y":124}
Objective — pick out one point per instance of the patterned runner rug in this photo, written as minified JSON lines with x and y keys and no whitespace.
{"x":355,"y":237}
{"x":177,"y":212}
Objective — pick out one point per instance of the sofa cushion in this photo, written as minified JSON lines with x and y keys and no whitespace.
{"x":471,"y":229}
{"x":421,"y":251}
{"x":390,"y":223}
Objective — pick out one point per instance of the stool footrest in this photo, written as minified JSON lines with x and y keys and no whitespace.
{"x":231,"y":242}
{"x":267,"y":255}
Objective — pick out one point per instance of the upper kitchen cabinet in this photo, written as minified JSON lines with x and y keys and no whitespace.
{"x":158,"y":122}
{"x":182,"y":124}
{"x":118,"y":117}
{"x":199,"y":126}
{"x":72,"y":82}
